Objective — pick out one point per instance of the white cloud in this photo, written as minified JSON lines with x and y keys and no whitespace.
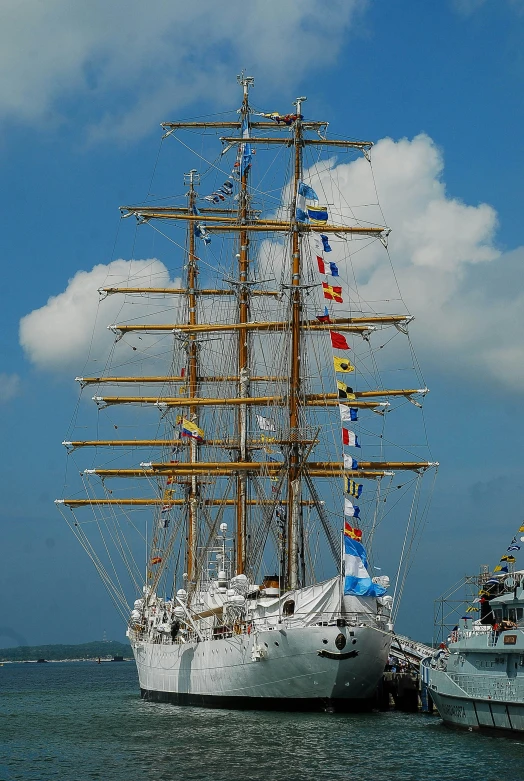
{"x":155,"y":58}
{"x":466,"y":295}
{"x":9,"y":387}
{"x":468,"y":7}
{"x":70,"y":330}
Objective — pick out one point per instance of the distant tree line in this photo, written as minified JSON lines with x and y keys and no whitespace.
{"x":98,"y":648}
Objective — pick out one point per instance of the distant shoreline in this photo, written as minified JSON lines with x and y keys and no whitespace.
{"x":81,"y":652}
{"x":91,"y":660}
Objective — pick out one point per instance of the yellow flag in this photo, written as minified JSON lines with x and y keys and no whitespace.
{"x":497,"y":568}
{"x":521,"y":529}
{"x":342,"y":364}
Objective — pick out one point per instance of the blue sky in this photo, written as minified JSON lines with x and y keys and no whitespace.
{"x":83,"y":93}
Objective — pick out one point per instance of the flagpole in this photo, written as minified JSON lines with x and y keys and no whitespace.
{"x":341,"y":567}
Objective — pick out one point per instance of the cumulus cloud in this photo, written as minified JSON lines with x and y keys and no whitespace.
{"x":69,"y":330}
{"x":134,"y":53}
{"x":465,"y":294}
{"x":9,"y":387}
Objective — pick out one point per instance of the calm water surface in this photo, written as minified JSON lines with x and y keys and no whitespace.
{"x":86,"y":721}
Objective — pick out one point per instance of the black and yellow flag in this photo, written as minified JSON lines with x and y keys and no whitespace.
{"x":344,"y":391}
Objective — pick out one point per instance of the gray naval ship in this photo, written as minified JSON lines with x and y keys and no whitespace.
{"x":477,"y":680}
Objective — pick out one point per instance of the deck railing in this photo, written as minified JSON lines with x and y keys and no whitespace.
{"x":494,"y":687}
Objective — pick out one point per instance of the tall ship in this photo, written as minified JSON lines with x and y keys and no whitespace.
{"x":476,"y":677}
{"x":234,"y":524}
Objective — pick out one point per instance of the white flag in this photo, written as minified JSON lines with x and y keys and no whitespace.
{"x":350,"y":462}
{"x":265,"y":424}
{"x":349,"y":508}
{"x":345,"y":413}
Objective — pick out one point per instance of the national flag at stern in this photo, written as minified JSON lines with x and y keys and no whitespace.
{"x":357,"y":580}
{"x":190,"y":429}
{"x":332,"y":292}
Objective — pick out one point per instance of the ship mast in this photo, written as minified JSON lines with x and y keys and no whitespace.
{"x":192,"y":354}
{"x":297,"y":442}
{"x":294,"y":483}
{"x":243,"y":345}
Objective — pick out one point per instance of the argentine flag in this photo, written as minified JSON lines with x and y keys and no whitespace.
{"x":357,"y":581}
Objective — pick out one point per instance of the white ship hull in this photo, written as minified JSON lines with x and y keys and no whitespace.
{"x":479,"y":714}
{"x":296,"y":668}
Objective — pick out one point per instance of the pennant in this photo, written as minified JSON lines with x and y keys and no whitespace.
{"x":307,"y":192}
{"x":166,"y":508}
{"x":156,"y":560}
{"x":245,"y":150}
{"x":199,"y":230}
{"x":342,"y":365}
{"x":350,"y":462}
{"x":348,"y":414}
{"x":351,"y":510}
{"x":325,"y":244}
{"x":472,"y":609}
{"x":497,"y":569}
{"x":265,"y":424}
{"x":344,"y":391}
{"x":287,"y":119}
{"x":190,"y":429}
{"x":509,"y":559}
{"x":350,"y":438}
{"x":353,"y":533}
{"x":300,"y":209}
{"x":514,"y":547}
{"x":357,"y":580}
{"x":332,"y":292}
{"x":318,"y":215}
{"x":352,"y":488}
{"x":325,"y":317}
{"x":339,"y":341}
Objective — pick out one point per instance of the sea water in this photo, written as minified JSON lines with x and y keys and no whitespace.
{"x":76,"y":721}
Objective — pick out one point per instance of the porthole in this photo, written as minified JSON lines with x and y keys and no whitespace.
{"x":353,"y":641}
{"x":340,"y":642}
{"x":276,"y":642}
{"x":325,"y":642}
